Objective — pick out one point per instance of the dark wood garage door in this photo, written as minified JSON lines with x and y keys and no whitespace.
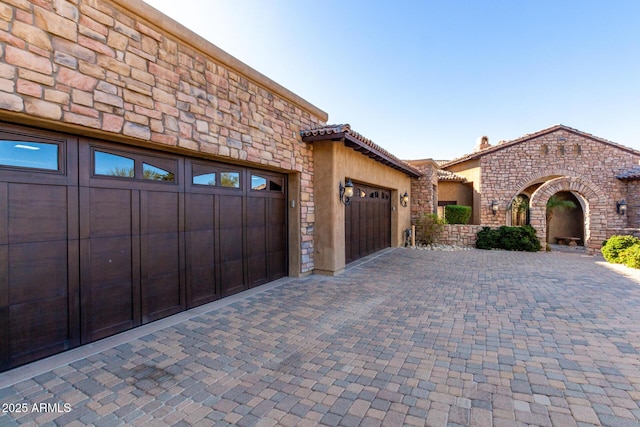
{"x":38,"y":247}
{"x":97,"y":238}
{"x":131,"y":245}
{"x":367,"y":222}
{"x":236,"y":229}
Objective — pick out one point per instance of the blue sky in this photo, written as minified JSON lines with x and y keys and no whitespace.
{"x":425,"y":79}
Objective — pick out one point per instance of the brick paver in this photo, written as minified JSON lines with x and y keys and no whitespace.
{"x":472,"y":338}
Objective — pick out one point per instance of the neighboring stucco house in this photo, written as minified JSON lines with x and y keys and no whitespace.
{"x":596,"y":174}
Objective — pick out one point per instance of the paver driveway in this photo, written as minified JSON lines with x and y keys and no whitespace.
{"x":480,"y":338}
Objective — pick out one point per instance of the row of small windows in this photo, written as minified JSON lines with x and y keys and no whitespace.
{"x":107,"y":164}
{"x":562,"y":149}
{"x":376,"y":194}
{"x":46,"y":156}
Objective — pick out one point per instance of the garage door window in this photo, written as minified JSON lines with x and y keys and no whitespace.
{"x":113,"y":165}
{"x":155,"y":173}
{"x":230,"y":179}
{"x":205,"y":179}
{"x":258,"y":183}
{"x":275,"y":184}
{"x":32,"y":155}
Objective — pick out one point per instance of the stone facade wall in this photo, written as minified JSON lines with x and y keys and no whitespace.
{"x":588,"y":168}
{"x":507,"y":172}
{"x":99,"y":68}
{"x":459,"y":235}
{"x":623,"y":232}
{"x":423,"y":200}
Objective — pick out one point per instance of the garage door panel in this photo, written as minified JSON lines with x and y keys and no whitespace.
{"x":256,"y":227}
{"x":160,"y":254}
{"x":231,"y":228}
{"x":109,"y":310}
{"x":257,"y":238}
{"x":160,"y":275}
{"x":232,"y":277}
{"x":108,"y":254}
{"x":257,"y":270}
{"x":201,"y":248}
{"x":160,"y":296}
{"x":202,"y":286}
{"x":110,"y":212}
{"x":159,"y":212}
{"x":277,"y":264}
{"x":110,"y":260}
{"x":38,"y":328}
{"x":200,"y":212}
{"x":37,"y":213}
{"x":37,"y":271}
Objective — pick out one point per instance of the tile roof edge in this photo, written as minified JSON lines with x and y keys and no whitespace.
{"x":341,"y":130}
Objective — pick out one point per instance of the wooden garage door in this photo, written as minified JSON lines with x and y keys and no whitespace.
{"x":131,"y":244}
{"x":38,"y":246}
{"x":97,"y":238}
{"x":236,"y":229}
{"x":367,"y":222}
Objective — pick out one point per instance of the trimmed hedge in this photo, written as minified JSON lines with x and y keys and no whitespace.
{"x":631,"y":256}
{"x":508,"y":238}
{"x":457,"y":214}
{"x":616,"y":249}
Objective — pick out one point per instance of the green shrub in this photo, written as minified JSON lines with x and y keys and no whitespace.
{"x":487,"y":238}
{"x":614,"y":245}
{"x":631,"y":256}
{"x":509,"y":238}
{"x":428,"y":228}
{"x":457,"y":214}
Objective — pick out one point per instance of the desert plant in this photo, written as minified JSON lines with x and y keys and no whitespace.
{"x":457,"y":214}
{"x":428,"y":228}
{"x":614,"y":246}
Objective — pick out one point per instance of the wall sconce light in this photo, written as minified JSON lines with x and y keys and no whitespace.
{"x":621,"y":207}
{"x":404,"y":200}
{"x":494,"y":207}
{"x":346,"y":192}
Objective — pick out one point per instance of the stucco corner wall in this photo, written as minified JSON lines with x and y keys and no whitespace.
{"x":338,"y":163}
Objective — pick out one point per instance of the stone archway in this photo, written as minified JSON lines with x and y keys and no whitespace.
{"x":595,"y":216}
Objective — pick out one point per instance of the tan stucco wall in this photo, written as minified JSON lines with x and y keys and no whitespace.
{"x":459,"y":192}
{"x":472,"y":172}
{"x":340,"y":162}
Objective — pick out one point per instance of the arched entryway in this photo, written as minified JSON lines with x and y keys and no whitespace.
{"x":566,"y":221}
{"x":592,"y":202}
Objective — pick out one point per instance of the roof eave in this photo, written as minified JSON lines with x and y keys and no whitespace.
{"x":354,"y":143}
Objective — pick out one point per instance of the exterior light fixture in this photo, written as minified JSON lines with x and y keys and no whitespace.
{"x":621,"y":207}
{"x":494,"y":207}
{"x":346,"y":192}
{"x":404,"y":200}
